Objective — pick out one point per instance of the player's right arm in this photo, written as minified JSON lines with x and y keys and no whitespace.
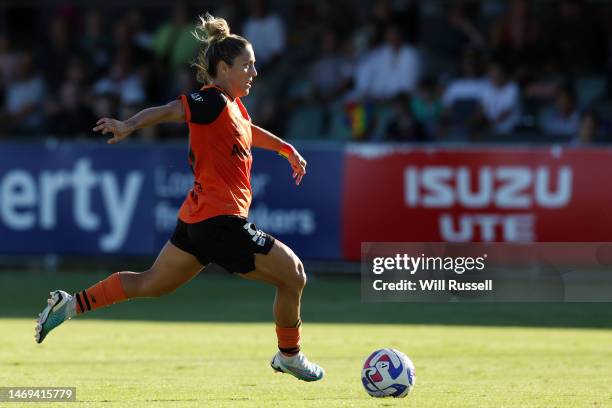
{"x":171,"y":112}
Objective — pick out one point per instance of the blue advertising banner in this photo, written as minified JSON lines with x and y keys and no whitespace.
{"x":94,"y":199}
{"x":305,"y":217}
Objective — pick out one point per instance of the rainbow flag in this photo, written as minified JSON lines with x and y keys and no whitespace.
{"x":359,"y":118}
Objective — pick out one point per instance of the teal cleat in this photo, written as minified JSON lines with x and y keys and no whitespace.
{"x":59,"y":309}
{"x":298,"y":366}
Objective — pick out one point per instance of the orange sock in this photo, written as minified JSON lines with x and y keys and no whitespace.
{"x":289,"y":338}
{"x":104,"y":293}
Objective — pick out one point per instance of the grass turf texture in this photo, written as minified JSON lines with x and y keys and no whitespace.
{"x":209,"y":344}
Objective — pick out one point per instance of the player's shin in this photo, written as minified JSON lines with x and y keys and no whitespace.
{"x":104,"y":293}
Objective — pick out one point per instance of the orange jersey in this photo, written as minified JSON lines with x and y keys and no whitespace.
{"x":219,"y":155}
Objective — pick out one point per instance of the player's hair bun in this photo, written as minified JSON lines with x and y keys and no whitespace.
{"x":218,"y":44}
{"x":211,"y":29}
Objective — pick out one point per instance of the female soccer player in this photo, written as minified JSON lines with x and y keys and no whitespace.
{"x":212,"y":223}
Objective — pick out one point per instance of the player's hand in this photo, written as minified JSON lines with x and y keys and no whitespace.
{"x":119,"y":129}
{"x":298,"y":165}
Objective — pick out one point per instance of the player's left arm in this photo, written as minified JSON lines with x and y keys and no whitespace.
{"x":266,"y":140}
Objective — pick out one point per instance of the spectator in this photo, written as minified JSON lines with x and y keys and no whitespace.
{"x":266,"y":31}
{"x":462,"y":21}
{"x":403,"y":126}
{"x":447,"y":37}
{"x":141,"y":38}
{"x":302,"y":38}
{"x":331,"y":76}
{"x":563,"y":118}
{"x":388,"y":70}
{"x":104,"y":104}
{"x":124,"y":82}
{"x":232,"y":11}
{"x":515,"y":35}
{"x":382,"y":16}
{"x":173,"y":42}
{"x":461,"y":98}
{"x":24,"y":96}
{"x":330,"y":73}
{"x":546,"y":43}
{"x":56,"y":50}
{"x":8,"y":61}
{"x":588,"y":128}
{"x":500,"y":101}
{"x":71,"y":115}
{"x":8,"y":65}
{"x":469,"y":84}
{"x":95,"y":43}
{"x":384,"y":13}
{"x":426,"y":106}
{"x":128,"y":36}
{"x":576,"y":37}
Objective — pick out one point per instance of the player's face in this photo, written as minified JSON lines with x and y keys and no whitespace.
{"x":242,"y":72}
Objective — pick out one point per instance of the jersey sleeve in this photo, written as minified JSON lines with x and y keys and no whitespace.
{"x":203,"y":107}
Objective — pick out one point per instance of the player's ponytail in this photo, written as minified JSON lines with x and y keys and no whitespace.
{"x":218,"y":44}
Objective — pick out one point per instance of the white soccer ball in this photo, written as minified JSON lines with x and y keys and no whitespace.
{"x":388,"y":373}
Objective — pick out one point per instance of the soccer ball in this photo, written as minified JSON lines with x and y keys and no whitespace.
{"x":388,"y":373}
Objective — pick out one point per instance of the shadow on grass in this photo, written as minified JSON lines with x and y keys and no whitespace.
{"x":224,"y":298}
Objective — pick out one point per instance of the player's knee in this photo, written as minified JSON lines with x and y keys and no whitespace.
{"x":301,"y":274}
{"x":297,"y":276}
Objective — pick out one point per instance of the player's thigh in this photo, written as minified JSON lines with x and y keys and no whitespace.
{"x":173,"y":267}
{"x":279,"y":267}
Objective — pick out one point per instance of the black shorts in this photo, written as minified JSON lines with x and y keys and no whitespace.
{"x":227,"y":240}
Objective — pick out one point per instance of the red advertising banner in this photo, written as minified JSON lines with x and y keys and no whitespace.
{"x":548,"y":194}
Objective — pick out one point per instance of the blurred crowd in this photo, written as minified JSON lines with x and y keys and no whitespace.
{"x":399,"y":70}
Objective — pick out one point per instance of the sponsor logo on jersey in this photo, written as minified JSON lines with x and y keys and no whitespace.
{"x":197,"y":97}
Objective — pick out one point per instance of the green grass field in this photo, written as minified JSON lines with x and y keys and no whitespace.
{"x":209,"y":345}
